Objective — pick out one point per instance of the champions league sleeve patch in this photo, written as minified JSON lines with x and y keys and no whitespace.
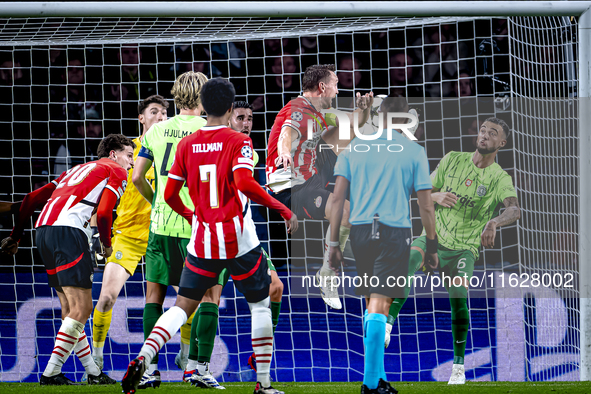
{"x":297,"y":116}
{"x":246,"y":152}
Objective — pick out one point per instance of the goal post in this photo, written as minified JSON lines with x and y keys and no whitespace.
{"x":175,"y":33}
{"x":585,"y":192}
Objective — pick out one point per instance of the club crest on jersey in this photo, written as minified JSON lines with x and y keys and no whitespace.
{"x":297,"y":116}
{"x":246,"y":151}
{"x":481,"y":191}
{"x":318,"y":201}
{"x":468,"y":182}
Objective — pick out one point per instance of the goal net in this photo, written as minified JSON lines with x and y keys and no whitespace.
{"x":65,"y":83}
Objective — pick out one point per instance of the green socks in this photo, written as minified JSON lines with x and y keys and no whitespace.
{"x":275,"y":310}
{"x":152,"y":313}
{"x":413,"y":265}
{"x":206,"y":330}
{"x":460,"y":321}
{"x":194,"y":342}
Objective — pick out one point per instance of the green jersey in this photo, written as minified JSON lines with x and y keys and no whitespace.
{"x":159,"y":145}
{"x":480,"y":192}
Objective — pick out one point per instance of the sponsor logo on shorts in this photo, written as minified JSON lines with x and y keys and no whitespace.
{"x":118,"y":255}
{"x":269,"y":271}
{"x":481,"y":191}
{"x":318,"y":201}
{"x":92,"y":277}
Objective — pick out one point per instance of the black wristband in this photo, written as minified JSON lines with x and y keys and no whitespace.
{"x":432,"y":245}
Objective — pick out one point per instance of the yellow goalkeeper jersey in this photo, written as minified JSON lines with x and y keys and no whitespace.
{"x":133,"y":212}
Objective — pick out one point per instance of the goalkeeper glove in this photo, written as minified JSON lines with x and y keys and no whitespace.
{"x":388,"y":331}
{"x":413,"y":129}
{"x":96,"y":246}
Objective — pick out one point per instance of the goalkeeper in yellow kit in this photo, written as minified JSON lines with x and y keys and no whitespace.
{"x":130,"y":237}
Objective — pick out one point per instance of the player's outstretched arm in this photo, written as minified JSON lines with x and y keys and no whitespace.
{"x":173,"y":198}
{"x":427,"y":211}
{"x":251,"y":189}
{"x":335,"y":255}
{"x":141,"y":167}
{"x":511,"y":214}
{"x":31,"y":201}
{"x":7,"y":206}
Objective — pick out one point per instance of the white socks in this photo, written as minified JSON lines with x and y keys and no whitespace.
{"x":262,"y":339}
{"x":82,"y":350}
{"x":168,"y":325}
{"x":65,"y":341}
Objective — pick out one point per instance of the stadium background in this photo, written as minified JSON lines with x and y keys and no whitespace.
{"x":58,"y":101}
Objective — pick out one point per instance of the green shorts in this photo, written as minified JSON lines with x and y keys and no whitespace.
{"x":225,"y":274}
{"x":451,"y":262}
{"x":165,"y":258}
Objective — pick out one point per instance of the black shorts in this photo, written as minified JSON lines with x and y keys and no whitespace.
{"x":382,"y":258}
{"x":250,"y":272}
{"x":66,"y":255}
{"x":309,"y":200}
{"x":326,"y":160}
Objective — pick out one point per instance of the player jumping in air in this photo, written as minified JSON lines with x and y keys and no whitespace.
{"x":291,"y":159}
{"x":216,"y":164}
{"x":63,"y":232}
{"x":131,"y":234}
{"x":169,"y":232}
{"x":468,"y":189}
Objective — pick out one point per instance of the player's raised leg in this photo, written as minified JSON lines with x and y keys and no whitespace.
{"x":164,"y":329}
{"x":415,"y":261}
{"x":329,"y":293}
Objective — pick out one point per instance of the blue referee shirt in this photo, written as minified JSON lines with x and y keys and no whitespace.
{"x":382,"y":175}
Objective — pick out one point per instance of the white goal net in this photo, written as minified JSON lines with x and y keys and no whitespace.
{"x":65,"y":83}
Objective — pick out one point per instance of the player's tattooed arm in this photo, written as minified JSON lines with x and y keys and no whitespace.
{"x":511,"y":214}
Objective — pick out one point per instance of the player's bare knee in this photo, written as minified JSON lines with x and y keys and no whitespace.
{"x":106,"y":302}
{"x":213,"y":295}
{"x":276,"y":290}
{"x":186,"y":304}
{"x":421,"y":251}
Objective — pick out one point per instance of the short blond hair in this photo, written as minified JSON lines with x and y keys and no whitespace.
{"x":186,"y":89}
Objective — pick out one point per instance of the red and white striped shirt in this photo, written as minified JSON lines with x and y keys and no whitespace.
{"x":299,"y":113}
{"x":222,"y":223}
{"x":78,"y":192}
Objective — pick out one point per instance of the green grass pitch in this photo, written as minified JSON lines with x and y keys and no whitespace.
{"x":325,"y":388}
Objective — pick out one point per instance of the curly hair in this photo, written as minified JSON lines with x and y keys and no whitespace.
{"x":316,"y":74}
{"x":186,"y":89}
{"x":153,"y":99}
{"x":114,"y":142}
